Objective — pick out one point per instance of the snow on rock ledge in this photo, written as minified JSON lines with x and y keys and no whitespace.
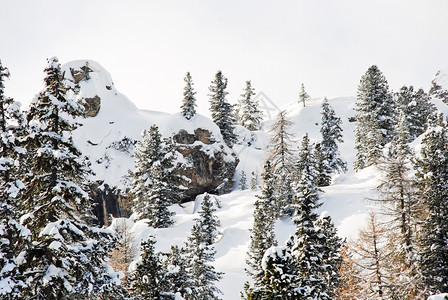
{"x":114,"y":124}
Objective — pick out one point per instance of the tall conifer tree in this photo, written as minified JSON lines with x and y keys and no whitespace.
{"x":432,"y":180}
{"x":189,"y":101}
{"x":14,"y":237}
{"x":375,"y":117}
{"x":67,"y":256}
{"x":250,"y":115}
{"x":221,"y":109}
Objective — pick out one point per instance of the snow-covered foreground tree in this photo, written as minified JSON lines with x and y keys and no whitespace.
{"x":200,"y":253}
{"x":432,"y":181}
{"x":66,"y":258}
{"x":14,"y":237}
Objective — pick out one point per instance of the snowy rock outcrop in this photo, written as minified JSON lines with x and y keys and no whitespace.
{"x":209,"y":167}
{"x":439,"y":87}
{"x":113,"y":125}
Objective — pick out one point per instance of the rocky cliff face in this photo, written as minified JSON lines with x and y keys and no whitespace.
{"x":209,"y":169}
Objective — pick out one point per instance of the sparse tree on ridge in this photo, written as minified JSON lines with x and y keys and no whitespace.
{"x":221,"y":109}
{"x":375,"y":118}
{"x":281,"y":153}
{"x":250,"y":116}
{"x":303,"y":96}
{"x":189,"y":100}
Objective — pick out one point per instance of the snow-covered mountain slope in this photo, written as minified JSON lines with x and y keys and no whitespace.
{"x":344,"y":200}
{"x":108,"y":139}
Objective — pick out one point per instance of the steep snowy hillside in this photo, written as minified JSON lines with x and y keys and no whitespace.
{"x":108,"y":139}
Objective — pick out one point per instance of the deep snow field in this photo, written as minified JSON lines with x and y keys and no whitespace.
{"x":344,"y":200}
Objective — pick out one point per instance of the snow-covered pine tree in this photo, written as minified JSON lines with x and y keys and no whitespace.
{"x":159,"y":215}
{"x":222,"y":110}
{"x":323,"y":170}
{"x":373,"y":255}
{"x":262,"y":233}
{"x":200,"y":253}
{"x":250,"y":116}
{"x":243,"y":181}
{"x":417,"y":107}
{"x":279,"y":274}
{"x":305,"y":165}
{"x":303,"y":96}
{"x":432,"y":181}
{"x":208,"y":221}
{"x":145,"y":281}
{"x":375,"y":117}
{"x":14,"y":237}
{"x":155,"y":183}
{"x":177,"y":278}
{"x":199,"y":256}
{"x":67,"y":256}
{"x":331,"y":132}
{"x":330,"y":254}
{"x":189,"y":100}
{"x":253,"y":181}
{"x":438,"y":91}
{"x":306,"y":243}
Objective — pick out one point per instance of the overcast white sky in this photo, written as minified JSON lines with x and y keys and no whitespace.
{"x":148,"y":46}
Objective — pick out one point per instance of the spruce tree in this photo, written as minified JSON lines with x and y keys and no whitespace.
{"x":306,"y":243}
{"x":243,"y":181}
{"x":14,"y":237}
{"x":417,"y":107}
{"x":200,"y":253}
{"x":375,"y":117}
{"x":145,"y":281}
{"x":155,"y":183}
{"x":303,"y":96}
{"x":330,"y":254}
{"x":250,"y":116}
{"x":331,"y":132}
{"x":67,"y":256}
{"x":178,"y":279}
{"x":432,"y":181}
{"x":189,"y":100}
{"x":437,"y":90}
{"x":305,"y":165}
{"x":222,"y":110}
{"x":262,"y":232}
{"x":321,"y":165}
